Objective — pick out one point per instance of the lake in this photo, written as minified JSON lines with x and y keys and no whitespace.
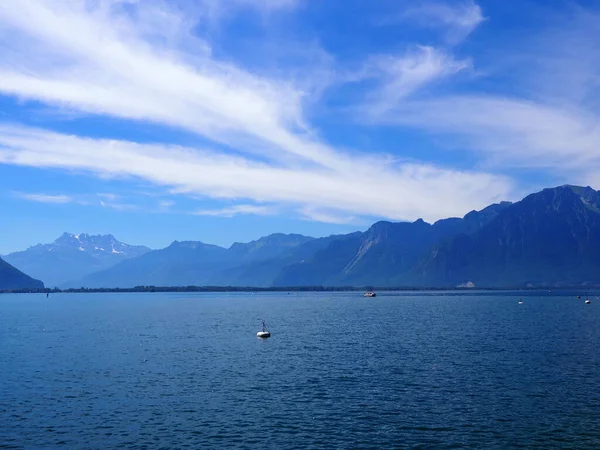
{"x":424,"y":370}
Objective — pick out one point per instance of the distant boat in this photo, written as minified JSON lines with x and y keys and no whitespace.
{"x":370,"y":294}
{"x":520,"y":302}
{"x":264,"y":333}
{"x":588,"y":301}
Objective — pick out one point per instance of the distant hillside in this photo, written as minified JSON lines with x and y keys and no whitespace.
{"x":550,"y":238}
{"x":196,"y":263}
{"x":73,"y":256}
{"x":381,"y":255}
{"x":12,"y":278}
{"x":264,"y":272}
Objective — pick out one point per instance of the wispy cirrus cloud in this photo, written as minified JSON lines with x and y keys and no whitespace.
{"x":265,"y":6}
{"x":120,"y":206}
{"x":44,"y":198}
{"x":511,"y":132}
{"x":108,"y":196}
{"x":399,"y":77}
{"x":124,"y":64}
{"x":549,"y":122}
{"x":326,"y":216}
{"x":457,"y":19}
{"x":104,"y":200}
{"x":166,"y":204}
{"x":373,"y":188}
{"x":230,"y":211}
{"x":133,"y":76}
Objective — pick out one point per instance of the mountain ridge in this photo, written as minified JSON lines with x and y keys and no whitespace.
{"x":72,"y":256}
{"x":550,"y":237}
{"x":556,"y":228}
{"x":191,"y":262}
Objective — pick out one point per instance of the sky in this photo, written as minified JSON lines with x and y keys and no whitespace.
{"x":224,"y":121}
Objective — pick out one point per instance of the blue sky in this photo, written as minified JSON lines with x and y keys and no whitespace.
{"x":223,"y":121}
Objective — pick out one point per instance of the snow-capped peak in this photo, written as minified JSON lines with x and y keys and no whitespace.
{"x":96,"y":245}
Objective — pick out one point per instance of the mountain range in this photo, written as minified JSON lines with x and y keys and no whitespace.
{"x":550,"y":238}
{"x":72,"y":256}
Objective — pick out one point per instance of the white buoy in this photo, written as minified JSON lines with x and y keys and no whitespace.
{"x":263,"y":333}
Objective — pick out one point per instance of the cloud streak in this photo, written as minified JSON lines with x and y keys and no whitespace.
{"x":310,"y":213}
{"x":43,"y":198}
{"x":402,"y":76}
{"x":372,"y":188}
{"x":130,"y":76}
{"x":139,"y":61}
{"x":457,"y":19}
{"x":511,"y":132}
{"x":550,"y":120}
{"x":235,"y":210}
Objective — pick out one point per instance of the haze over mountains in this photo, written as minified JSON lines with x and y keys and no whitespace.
{"x":72,"y":256}
{"x":550,"y":238}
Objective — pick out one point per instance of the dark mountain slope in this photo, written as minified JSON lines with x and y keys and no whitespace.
{"x":383,"y":254}
{"x":551,"y":237}
{"x":12,"y":278}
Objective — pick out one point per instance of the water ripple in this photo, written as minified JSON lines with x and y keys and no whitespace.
{"x":398,"y":371}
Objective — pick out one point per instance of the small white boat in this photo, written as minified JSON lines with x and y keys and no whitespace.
{"x":370,"y":294}
{"x":520,"y":302}
{"x":588,"y":301}
{"x":264,"y":333}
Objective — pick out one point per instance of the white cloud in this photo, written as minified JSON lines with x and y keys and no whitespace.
{"x":366,"y":187}
{"x":120,"y":206}
{"x":511,"y":132}
{"x":216,"y":10}
{"x":458,"y":19}
{"x":165,"y":204}
{"x":235,"y":210}
{"x":550,"y":121}
{"x":44,"y":198}
{"x":142,"y":63}
{"x":408,"y":74}
{"x":108,"y":196}
{"x":310,"y":213}
{"x":263,"y":5}
{"x":113,"y":68}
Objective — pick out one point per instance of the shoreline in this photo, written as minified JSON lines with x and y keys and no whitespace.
{"x":250,"y":289}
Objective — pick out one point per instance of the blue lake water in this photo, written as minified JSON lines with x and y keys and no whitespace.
{"x":340,"y":371}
